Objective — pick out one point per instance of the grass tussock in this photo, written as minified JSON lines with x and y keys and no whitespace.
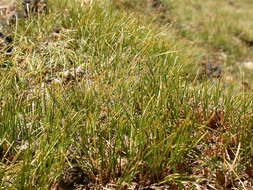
{"x":118,"y":100}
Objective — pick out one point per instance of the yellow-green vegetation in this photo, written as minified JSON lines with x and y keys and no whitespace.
{"x":221,"y":29}
{"x":128,"y":94}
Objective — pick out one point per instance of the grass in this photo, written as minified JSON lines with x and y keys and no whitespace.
{"x":221,"y":30}
{"x":116,"y":90}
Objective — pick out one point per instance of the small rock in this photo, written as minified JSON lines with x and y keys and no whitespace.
{"x":79,"y":70}
{"x":24,"y":145}
{"x":67,"y":75}
{"x":248,"y":65}
{"x":57,"y":81}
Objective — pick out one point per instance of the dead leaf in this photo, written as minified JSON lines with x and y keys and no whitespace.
{"x":220,"y":177}
{"x":249,"y":171}
{"x":174,"y":186}
{"x":216,"y":119}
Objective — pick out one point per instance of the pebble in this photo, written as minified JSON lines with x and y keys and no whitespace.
{"x":67,"y":74}
{"x":57,"y":81}
{"x":79,"y":69}
{"x":248,"y":65}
